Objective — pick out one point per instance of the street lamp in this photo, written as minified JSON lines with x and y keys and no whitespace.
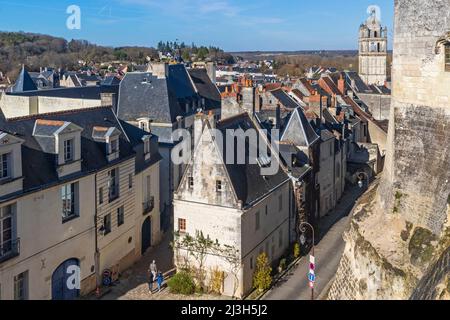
{"x":303,"y":226}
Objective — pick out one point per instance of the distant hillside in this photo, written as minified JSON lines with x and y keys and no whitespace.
{"x":38,"y":50}
{"x":295,"y":63}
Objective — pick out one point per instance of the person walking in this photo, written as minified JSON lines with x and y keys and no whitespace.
{"x":151,"y":279}
{"x":160,"y":280}
{"x":152,"y":273}
{"x":153,"y":269}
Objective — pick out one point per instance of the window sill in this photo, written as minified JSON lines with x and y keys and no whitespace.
{"x":112,"y":199}
{"x":68,"y":219}
{"x":8,"y":180}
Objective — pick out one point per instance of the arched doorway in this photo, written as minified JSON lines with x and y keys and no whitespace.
{"x":60,"y":287}
{"x":146,"y":235}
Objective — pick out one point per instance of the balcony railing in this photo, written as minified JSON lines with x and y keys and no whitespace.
{"x":149,"y":205}
{"x":9,"y":250}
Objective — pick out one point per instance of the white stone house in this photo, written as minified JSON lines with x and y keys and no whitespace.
{"x":53,"y":167}
{"x":233,"y":203}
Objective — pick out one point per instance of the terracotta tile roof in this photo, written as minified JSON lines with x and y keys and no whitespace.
{"x":52,"y":123}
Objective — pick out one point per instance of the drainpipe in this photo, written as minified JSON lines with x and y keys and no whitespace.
{"x":97,"y":251}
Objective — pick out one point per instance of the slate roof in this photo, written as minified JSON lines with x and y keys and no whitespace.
{"x":39,"y":167}
{"x":298,"y":130}
{"x":144,"y":95}
{"x":326,"y":134}
{"x":24,"y":82}
{"x":284,"y":99}
{"x":360,"y":85}
{"x":110,"y":81}
{"x":331,"y":86}
{"x":88,"y":93}
{"x":246,"y":179}
{"x":206,"y":88}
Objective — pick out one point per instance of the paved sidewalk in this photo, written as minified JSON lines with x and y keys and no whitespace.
{"x":328,"y":252}
{"x":134,"y":280}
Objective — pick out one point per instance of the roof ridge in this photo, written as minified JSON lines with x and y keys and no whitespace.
{"x":64,"y":112}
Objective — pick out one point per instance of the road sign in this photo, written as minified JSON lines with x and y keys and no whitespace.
{"x":312,"y":277}
{"x":312,"y":266}
{"x":312,"y":259}
{"x":311,"y":285}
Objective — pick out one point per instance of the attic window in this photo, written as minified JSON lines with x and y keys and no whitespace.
{"x":219,"y":186}
{"x":68,"y":150}
{"x":5,"y":166}
{"x":447,"y":57}
{"x":147,"y":146}
{"x":114,"y":145}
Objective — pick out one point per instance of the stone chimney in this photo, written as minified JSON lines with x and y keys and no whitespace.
{"x":109,"y":99}
{"x":159,"y":69}
{"x":211,"y":70}
{"x":278,"y":117}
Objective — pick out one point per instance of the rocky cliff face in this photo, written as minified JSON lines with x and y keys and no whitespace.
{"x":398,"y":244}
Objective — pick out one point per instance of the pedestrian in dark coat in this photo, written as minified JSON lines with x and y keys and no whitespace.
{"x":160,"y":280}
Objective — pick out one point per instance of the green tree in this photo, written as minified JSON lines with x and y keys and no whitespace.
{"x":296,"y":250}
{"x":262,"y":278}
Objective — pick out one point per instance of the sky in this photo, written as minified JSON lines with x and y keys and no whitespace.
{"x":233,"y":25}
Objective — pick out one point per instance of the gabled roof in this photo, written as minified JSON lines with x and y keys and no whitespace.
{"x":88,"y":93}
{"x":284,"y":99}
{"x":328,"y":85}
{"x":110,"y":81}
{"x":24,"y":82}
{"x":247,"y":181}
{"x":360,"y":85}
{"x":299,"y":131}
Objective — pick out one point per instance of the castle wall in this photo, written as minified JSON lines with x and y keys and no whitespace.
{"x":416,"y":182}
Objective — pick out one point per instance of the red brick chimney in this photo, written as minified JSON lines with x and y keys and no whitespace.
{"x":341,"y":85}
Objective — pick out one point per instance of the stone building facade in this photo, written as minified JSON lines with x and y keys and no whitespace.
{"x":233,"y":204}
{"x":70,"y":196}
{"x":406,"y":260}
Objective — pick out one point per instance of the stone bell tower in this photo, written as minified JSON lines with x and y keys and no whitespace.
{"x":373,"y":51}
{"x":398,"y":246}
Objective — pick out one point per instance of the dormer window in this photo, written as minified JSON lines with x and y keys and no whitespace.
{"x":68,"y":150}
{"x":114,"y":145}
{"x":110,"y":137}
{"x":63,"y":139}
{"x":146,"y":146}
{"x":147,"y":149}
{"x":5,"y":166}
